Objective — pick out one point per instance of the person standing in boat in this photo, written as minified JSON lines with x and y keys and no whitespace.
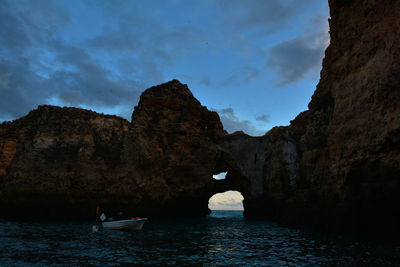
{"x":95,"y":228}
{"x":100,"y":216}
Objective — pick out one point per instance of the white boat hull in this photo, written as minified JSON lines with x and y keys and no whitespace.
{"x":126,"y":225}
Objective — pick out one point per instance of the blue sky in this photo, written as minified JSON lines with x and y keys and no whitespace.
{"x":255,"y":62}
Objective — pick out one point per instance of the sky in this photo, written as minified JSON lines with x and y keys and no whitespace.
{"x":230,"y":200}
{"x":255,"y":62}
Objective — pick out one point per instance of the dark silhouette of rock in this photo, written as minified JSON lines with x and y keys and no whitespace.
{"x":346,"y":147}
{"x":170,"y":151}
{"x":54,"y":160}
{"x":62,"y":162}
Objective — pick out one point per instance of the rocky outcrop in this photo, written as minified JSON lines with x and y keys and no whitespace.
{"x":170,"y":151}
{"x":54,"y":159}
{"x":347,"y":171}
{"x":62,"y":162}
{"x":336,"y":166}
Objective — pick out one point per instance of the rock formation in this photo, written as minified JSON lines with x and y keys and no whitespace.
{"x":62,"y":162}
{"x":347,"y":158}
{"x":336,"y":166}
{"x":54,"y":159}
{"x":170,"y":151}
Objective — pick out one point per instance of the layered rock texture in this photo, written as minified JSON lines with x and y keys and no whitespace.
{"x":342,"y":166}
{"x":55,"y":159}
{"x":62,"y":162}
{"x":336,"y":166}
{"x":348,"y":142}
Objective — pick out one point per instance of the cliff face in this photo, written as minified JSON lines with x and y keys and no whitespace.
{"x":55,"y":156}
{"x":336,"y":166}
{"x":348,"y":142}
{"x":359,"y":162}
{"x":170,"y":151}
{"x":356,"y":104}
{"x":62,"y":162}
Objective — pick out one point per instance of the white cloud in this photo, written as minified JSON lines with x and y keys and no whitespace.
{"x":229,"y":200}
{"x":233,"y":123}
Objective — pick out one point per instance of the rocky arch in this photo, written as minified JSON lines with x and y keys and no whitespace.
{"x":243,"y":158}
{"x":233,"y":182}
{"x":162,"y":161}
{"x":336,"y":165}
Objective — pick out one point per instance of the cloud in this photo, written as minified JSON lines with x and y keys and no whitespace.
{"x":293,"y":58}
{"x":18,"y":82}
{"x":37,"y":64}
{"x":263,"y":118}
{"x":5,"y":75}
{"x":206,"y":81}
{"x":243,"y":75}
{"x":228,"y":200}
{"x":259,"y":15}
{"x":225,"y":203}
{"x":233,"y":123}
{"x":46,"y":56}
{"x":103,"y":54}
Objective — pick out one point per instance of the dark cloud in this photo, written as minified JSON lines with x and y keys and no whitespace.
{"x":102,"y":54}
{"x":232,"y":123}
{"x":37,"y":65}
{"x":293,"y":58}
{"x":290,"y":59}
{"x":85,"y":81}
{"x":263,"y":118}
{"x":17,"y":81}
{"x":142,"y":32}
{"x":243,"y":75}
{"x":206,"y":81}
{"x":5,"y":74}
{"x":12,"y":34}
{"x":108,"y":67}
{"x":260,"y":15}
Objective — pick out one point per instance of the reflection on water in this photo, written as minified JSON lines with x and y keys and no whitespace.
{"x":224,"y":238}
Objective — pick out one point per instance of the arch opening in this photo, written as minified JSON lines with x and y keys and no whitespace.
{"x":220,"y":176}
{"x":226,"y":201}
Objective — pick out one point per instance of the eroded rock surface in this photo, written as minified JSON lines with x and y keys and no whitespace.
{"x":170,"y":150}
{"x":62,"y":162}
{"x":348,"y":142}
{"x":54,"y":159}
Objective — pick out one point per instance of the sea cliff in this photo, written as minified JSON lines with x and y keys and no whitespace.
{"x":336,"y":166}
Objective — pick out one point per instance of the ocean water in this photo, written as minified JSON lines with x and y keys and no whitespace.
{"x":222,"y":239}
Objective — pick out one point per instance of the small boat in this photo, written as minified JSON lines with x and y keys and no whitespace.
{"x":126,"y":225}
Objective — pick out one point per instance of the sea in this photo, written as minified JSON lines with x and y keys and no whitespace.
{"x":224,"y":238}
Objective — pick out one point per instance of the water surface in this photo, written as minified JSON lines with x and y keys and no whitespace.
{"x":221,"y":239}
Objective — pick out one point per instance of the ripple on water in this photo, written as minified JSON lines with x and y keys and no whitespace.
{"x":221,"y":239}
